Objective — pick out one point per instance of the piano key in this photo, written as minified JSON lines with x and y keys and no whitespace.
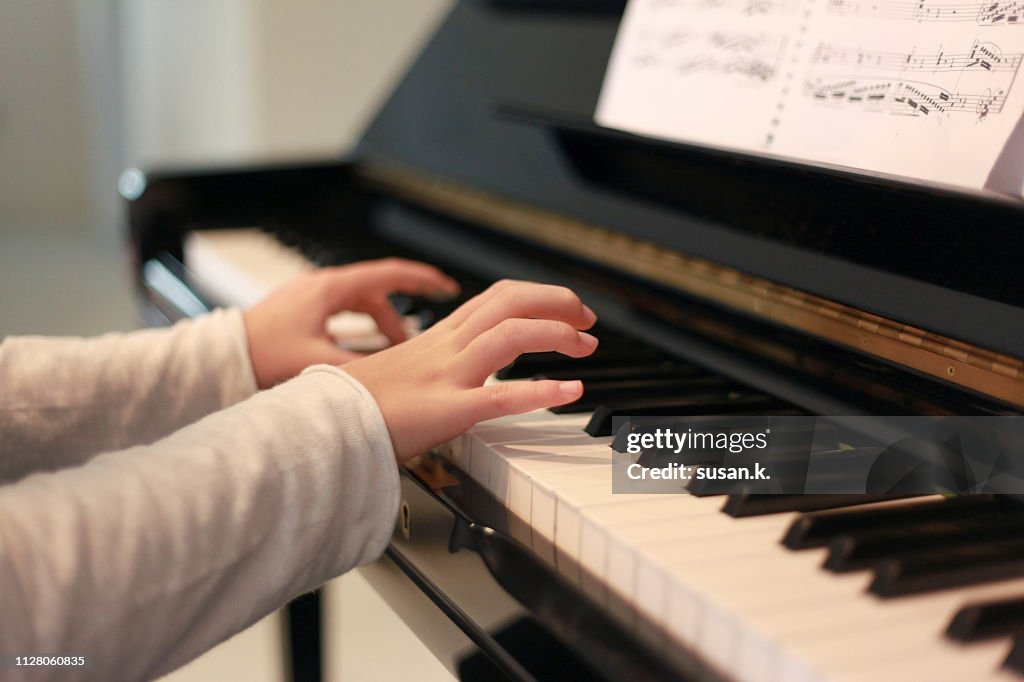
{"x":508,"y":464}
{"x":949,"y":567}
{"x":597,"y":393}
{"x":658,"y":370}
{"x":818,"y":528}
{"x":530,"y":364}
{"x":733,"y":403}
{"x":854,"y":551}
{"x":752,"y":504}
{"x":829,"y":472}
{"x":987,"y":620}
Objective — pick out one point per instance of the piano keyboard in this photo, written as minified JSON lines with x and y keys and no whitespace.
{"x":746,"y":591}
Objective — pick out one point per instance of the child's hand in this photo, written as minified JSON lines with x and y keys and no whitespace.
{"x":430,"y":388}
{"x":287,"y":330}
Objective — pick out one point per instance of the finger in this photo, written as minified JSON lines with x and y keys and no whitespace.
{"x":516,"y":397}
{"x":528,"y":300}
{"x":387,"y":318}
{"x":499,"y":346}
{"x":345,"y":284}
{"x":460,"y":314}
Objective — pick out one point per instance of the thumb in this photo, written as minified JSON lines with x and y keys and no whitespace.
{"x":387,"y":318}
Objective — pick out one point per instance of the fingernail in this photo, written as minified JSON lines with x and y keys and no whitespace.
{"x":573,"y":388}
{"x":590,"y":314}
{"x":588,"y":340}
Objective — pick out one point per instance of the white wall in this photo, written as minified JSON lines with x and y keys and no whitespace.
{"x":189,"y":79}
{"x":44,"y":130}
{"x":224,"y":80}
{"x":89,"y":86}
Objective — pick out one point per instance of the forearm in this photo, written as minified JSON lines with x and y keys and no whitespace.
{"x":63,"y":400}
{"x":142,"y":559}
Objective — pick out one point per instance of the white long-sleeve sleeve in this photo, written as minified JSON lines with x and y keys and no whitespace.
{"x":141,"y":559}
{"x":63,"y":400}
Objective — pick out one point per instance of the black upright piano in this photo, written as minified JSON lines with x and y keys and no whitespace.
{"x":725,"y":285}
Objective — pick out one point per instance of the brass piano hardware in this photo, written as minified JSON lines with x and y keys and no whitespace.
{"x":431,"y":469}
{"x":405,"y":520}
{"x":950,"y":360}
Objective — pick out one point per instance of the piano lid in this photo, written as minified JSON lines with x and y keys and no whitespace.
{"x":502,"y":101}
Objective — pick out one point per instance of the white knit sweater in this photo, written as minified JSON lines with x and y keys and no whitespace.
{"x":153,"y":504}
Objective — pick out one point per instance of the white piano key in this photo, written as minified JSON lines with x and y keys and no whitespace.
{"x":905,"y":632}
{"x":242,"y":266}
{"x":514,"y":465}
{"x":822,"y":611}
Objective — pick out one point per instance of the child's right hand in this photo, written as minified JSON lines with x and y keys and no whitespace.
{"x":430,"y":388}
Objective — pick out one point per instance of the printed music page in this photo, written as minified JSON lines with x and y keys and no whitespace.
{"x":927,"y":90}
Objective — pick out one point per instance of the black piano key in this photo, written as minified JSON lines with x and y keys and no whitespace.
{"x":712,"y":487}
{"x":843,"y":478}
{"x":987,"y":620}
{"x":753,"y":504}
{"x":1015,"y":659}
{"x":788,"y":469}
{"x":597,"y":393}
{"x":855,"y":551}
{"x":634,"y":371}
{"x":530,"y":364}
{"x":948,"y":567}
{"x":817,"y":529}
{"x":733,"y":404}
{"x":712,"y":457}
{"x":787,"y":437}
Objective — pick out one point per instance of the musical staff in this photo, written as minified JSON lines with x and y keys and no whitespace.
{"x":906,"y":98}
{"x":982,"y":57}
{"x":1004,"y":13}
{"x":911,"y":84}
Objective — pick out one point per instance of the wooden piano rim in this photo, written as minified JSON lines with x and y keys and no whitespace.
{"x":949,"y":360}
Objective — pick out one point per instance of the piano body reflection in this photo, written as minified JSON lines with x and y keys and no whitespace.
{"x":725,"y":285}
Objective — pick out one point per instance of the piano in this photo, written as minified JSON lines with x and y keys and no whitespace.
{"x":725,"y":285}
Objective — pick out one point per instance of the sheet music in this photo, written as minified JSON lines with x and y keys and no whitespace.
{"x":924,"y":89}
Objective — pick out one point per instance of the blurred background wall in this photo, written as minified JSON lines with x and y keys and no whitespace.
{"x":89,"y":87}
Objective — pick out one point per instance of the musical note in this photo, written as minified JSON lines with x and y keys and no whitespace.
{"x":912,"y":84}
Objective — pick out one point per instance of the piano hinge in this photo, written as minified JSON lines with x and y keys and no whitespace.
{"x":984,"y":371}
